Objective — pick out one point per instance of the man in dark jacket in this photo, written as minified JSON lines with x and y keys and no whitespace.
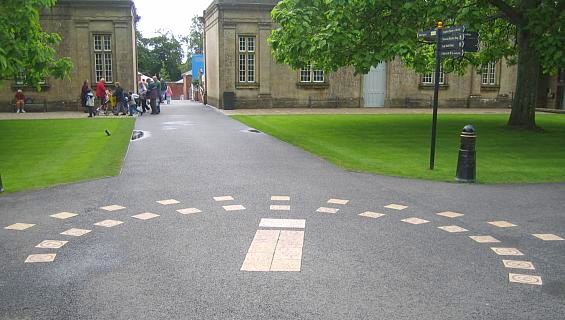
{"x":153,"y":95}
{"x":119,"y":94}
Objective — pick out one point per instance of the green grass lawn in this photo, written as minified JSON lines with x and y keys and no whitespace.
{"x":41,"y":153}
{"x":399,"y":145}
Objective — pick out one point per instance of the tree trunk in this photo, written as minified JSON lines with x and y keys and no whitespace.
{"x":524,"y":104}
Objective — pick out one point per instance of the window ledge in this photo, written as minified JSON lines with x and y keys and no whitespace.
{"x":487,"y":87}
{"x":242,"y":85}
{"x":312,"y":85}
{"x":430,"y":86}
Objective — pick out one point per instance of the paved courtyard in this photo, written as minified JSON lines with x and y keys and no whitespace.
{"x":209,"y":220}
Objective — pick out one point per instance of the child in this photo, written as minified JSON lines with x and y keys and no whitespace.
{"x":131,"y":98}
{"x":90,"y":103}
{"x":20,"y":98}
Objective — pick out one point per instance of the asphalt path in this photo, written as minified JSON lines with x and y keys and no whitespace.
{"x":179,"y":266}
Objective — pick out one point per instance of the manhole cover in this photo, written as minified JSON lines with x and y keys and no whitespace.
{"x":139,"y":134}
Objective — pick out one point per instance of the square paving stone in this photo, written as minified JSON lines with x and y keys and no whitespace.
{"x":280,"y":198}
{"x":189,"y":211}
{"x":168,"y":202}
{"x":267,"y":235}
{"x":415,"y":220}
{"x":274,"y":207}
{"x":262,"y":246}
{"x":327,"y":210}
{"x":257,"y":261}
{"x":113,"y":207}
{"x":517,"y":264}
{"x":286,"y":265}
{"x":235,"y":207}
{"x":548,"y":237}
{"x":75,"y":232}
{"x":453,"y":229}
{"x":370,"y":214}
{"x":108,"y":223}
{"x":63,"y":215}
{"x":396,"y":206}
{"x":524,"y":278}
{"x":449,"y":214}
{"x":223,"y":198}
{"x":484,"y":239}
{"x":51,"y":244}
{"x":19,"y":226}
{"x":283,"y":223}
{"x":502,"y":224}
{"x":145,"y":216}
{"x":45,"y":257}
{"x":287,"y":253}
{"x":338,"y":201}
{"x":507,"y":251}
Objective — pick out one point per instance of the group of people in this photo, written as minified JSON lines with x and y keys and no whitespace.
{"x":118,"y":101}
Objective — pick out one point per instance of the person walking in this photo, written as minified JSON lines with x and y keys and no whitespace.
{"x":120,"y":100}
{"x":90,"y":103}
{"x":142,"y":90}
{"x":101,"y":93}
{"x":85,"y":89}
{"x":159,"y":97}
{"x":20,"y":101}
{"x":168,"y":94}
{"x":153,"y":95}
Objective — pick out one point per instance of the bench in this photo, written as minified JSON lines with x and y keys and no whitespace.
{"x":33,"y":105}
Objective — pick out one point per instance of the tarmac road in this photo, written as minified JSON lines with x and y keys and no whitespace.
{"x":199,"y":265}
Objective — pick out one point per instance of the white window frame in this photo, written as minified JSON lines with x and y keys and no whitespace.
{"x":428,"y":78}
{"x":247,"y":59}
{"x":310,"y":75}
{"x":103,"y":57}
{"x":488,"y":75}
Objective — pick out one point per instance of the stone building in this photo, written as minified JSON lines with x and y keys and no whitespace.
{"x":99,"y":37}
{"x":238,"y":60}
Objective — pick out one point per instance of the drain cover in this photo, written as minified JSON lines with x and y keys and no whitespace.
{"x":254,"y":130}
{"x":137,"y":134}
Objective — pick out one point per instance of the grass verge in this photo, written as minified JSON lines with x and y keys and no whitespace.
{"x":399,"y":145}
{"x":41,"y":153}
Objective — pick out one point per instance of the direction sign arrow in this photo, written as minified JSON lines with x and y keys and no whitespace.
{"x":455,"y":37}
{"x":426,"y":34}
{"x":471,"y":42}
{"x":452,"y":53}
{"x":452,"y":45}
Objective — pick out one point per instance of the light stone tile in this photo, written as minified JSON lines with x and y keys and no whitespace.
{"x":507,"y":251}
{"x":280,"y":198}
{"x":283,"y":252}
{"x":235,"y":207}
{"x":168,"y":202}
{"x":370,"y":214}
{"x":19,"y":226}
{"x":524,"y":278}
{"x":75,"y":232}
{"x":517,"y":264}
{"x":257,"y":261}
{"x":283,"y":223}
{"x":223,"y":198}
{"x":484,"y":239}
{"x":274,"y":207}
{"x":450,"y":214}
{"x":63,"y":215}
{"x":327,"y":210}
{"x":45,"y":257}
{"x":415,"y":220}
{"x":286,"y":265}
{"x":189,"y":211}
{"x":501,"y":224}
{"x":145,"y":216}
{"x":51,"y":244}
{"x":548,"y":237}
{"x":108,"y":223}
{"x":338,"y":201}
{"x":113,"y":207}
{"x":267,"y":235}
{"x":453,"y":229}
{"x":396,"y":206}
{"x":263,"y":246}
{"x":288,"y":235}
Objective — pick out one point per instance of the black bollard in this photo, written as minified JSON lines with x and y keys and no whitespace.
{"x":466,"y":163}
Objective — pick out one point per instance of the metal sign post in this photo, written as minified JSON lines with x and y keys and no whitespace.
{"x":436,"y":92}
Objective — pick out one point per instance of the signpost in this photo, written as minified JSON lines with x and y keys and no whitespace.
{"x":450,"y":42}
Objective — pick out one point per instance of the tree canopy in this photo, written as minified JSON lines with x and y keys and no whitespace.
{"x":25,"y":49}
{"x":362,"y":33}
{"x":162,"y":52}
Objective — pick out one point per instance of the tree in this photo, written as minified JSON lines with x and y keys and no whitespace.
{"x":26,"y":50}
{"x":194,"y":40}
{"x":361,"y":33}
{"x":163,"y":51}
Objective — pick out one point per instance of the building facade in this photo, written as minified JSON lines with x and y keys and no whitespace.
{"x":99,"y":37}
{"x":238,"y":62}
